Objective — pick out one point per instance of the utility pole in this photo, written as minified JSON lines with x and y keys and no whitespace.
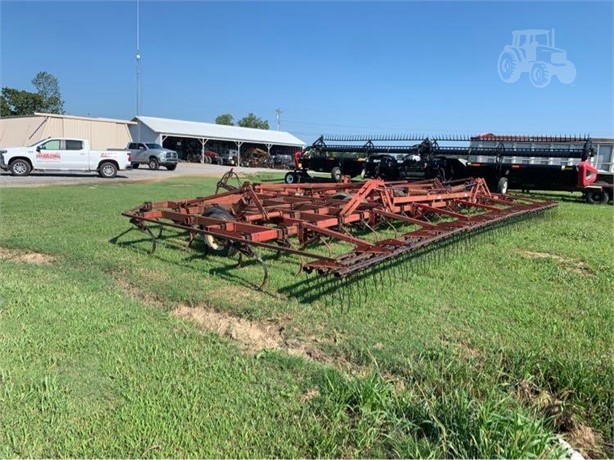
{"x":138,"y":66}
{"x":278,"y":115}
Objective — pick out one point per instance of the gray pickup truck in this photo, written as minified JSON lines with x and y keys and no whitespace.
{"x":152,"y":155}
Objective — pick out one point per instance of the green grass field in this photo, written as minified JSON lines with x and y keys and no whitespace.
{"x":494,"y":350}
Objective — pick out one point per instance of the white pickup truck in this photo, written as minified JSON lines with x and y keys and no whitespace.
{"x":59,"y":154}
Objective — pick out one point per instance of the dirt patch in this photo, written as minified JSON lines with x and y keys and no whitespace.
{"x":251,"y":336}
{"x":581,"y":437}
{"x":26,"y":257}
{"x":309,"y":394}
{"x":586,"y":441}
{"x":463,"y":348}
{"x":569,"y":265}
{"x":468,"y":351}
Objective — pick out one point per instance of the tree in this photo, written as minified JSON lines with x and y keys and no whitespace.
{"x":48,"y":87}
{"x":47,"y":98}
{"x":17,"y":102}
{"x":252,"y":121}
{"x":224,"y":119}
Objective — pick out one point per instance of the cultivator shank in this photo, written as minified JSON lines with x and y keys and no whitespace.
{"x":358,"y":225}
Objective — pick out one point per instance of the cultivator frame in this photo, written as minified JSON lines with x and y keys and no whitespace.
{"x":292,"y":218}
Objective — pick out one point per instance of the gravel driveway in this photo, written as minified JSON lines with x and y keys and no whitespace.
{"x":38,"y":179}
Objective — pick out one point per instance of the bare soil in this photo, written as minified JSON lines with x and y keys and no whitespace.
{"x":27,"y":257}
{"x":580,"y":436}
{"x":570,"y":265}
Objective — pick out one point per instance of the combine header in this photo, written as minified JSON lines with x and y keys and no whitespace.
{"x":336,"y":230}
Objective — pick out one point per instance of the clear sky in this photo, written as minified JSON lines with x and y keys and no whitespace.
{"x":331,"y":67}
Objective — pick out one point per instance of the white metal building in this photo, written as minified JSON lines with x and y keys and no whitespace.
{"x":158,"y":130}
{"x":102,"y":133}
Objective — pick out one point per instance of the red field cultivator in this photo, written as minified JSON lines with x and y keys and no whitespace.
{"x":337,"y":230}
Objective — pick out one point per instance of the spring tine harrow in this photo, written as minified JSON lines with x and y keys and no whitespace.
{"x":414,"y":219}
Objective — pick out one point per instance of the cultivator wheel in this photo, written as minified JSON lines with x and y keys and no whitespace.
{"x":215,"y":245}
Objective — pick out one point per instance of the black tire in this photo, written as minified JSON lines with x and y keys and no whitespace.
{"x":171,"y":167}
{"x":387,"y":168}
{"x":107,"y":170}
{"x":153,"y":163}
{"x":135,"y":166}
{"x":342,"y":196}
{"x":597,"y":197}
{"x":502,"y":186}
{"x":336,"y":174}
{"x":20,"y":167}
{"x":291,"y":178}
{"x":217,"y":246}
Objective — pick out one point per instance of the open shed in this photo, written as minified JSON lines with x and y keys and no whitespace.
{"x":170,"y":133}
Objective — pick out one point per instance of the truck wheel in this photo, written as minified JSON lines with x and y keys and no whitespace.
{"x":502,"y":186}
{"x":107,"y":170}
{"x":597,"y":197}
{"x":171,"y":167}
{"x":153,"y":163}
{"x":291,"y":178}
{"x":135,"y":165}
{"x":219,"y":246}
{"x":20,"y":167}
{"x":336,"y":174}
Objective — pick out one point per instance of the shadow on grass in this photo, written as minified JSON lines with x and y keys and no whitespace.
{"x":224,"y":270}
{"x":567,"y":197}
{"x":364,"y":286}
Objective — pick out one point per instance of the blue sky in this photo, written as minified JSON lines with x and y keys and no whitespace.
{"x":332,"y":67}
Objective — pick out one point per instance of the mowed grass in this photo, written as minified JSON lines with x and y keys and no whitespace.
{"x":490,"y":351}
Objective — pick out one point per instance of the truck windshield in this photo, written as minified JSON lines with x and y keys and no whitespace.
{"x":153,"y":146}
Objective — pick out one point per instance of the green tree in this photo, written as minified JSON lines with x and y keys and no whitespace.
{"x":224,"y":119}
{"x":48,"y":87}
{"x":252,"y":121}
{"x":18,"y":102}
{"x":47,"y":98}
